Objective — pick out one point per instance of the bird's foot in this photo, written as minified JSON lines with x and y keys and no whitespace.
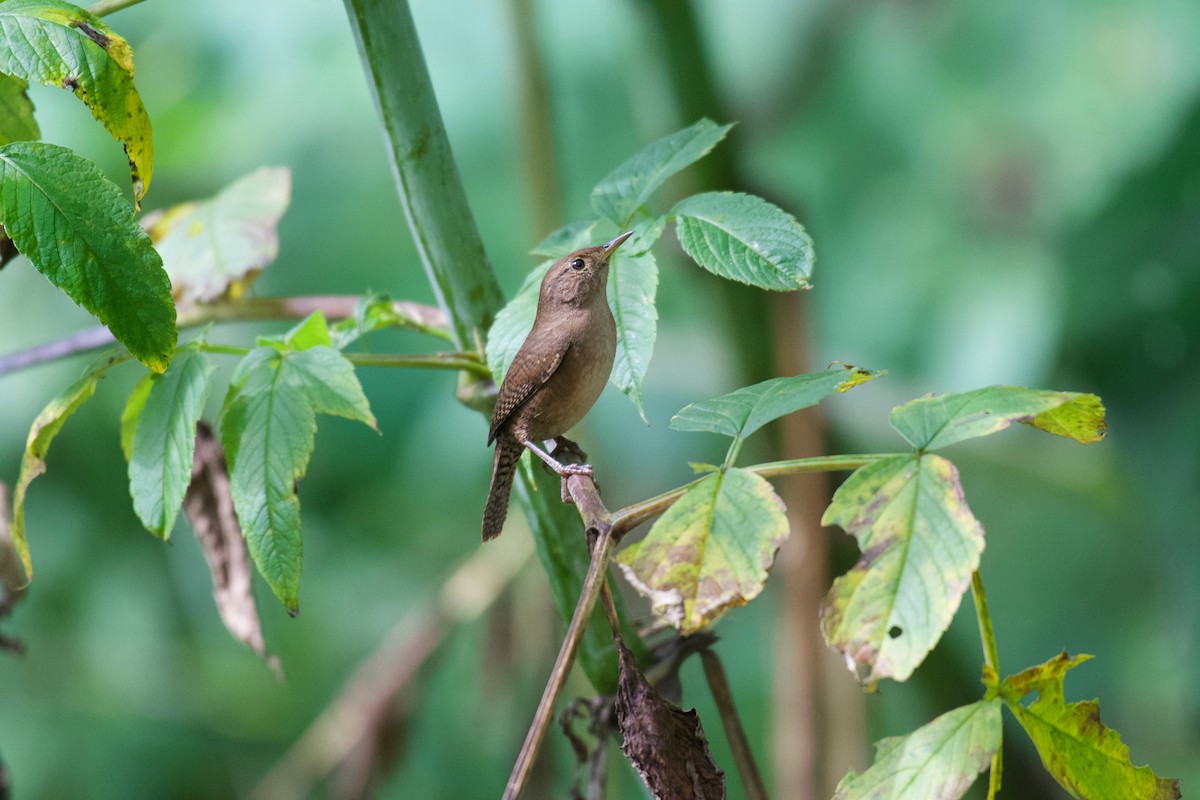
{"x":564,"y":445}
{"x":564,"y":471}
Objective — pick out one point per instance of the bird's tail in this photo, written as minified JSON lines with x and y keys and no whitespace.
{"x":504,"y":468}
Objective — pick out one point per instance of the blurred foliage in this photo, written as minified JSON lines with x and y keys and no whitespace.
{"x":997,"y":194}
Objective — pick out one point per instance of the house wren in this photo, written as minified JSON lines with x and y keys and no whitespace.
{"x":557,"y":374}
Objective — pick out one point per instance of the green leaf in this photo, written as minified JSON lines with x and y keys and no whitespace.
{"x":73,"y":225}
{"x":164,"y":438}
{"x":709,"y":552}
{"x":938,"y":761}
{"x":267,"y":428}
{"x":623,"y":191}
{"x":16,"y":111}
{"x":741,"y":413}
{"x":58,"y":44}
{"x":929,"y":423}
{"x":45,"y":427}
{"x":132,"y":412}
{"x":746,"y":239}
{"x":920,"y":543}
{"x":632,"y":283}
{"x":513,"y":323}
{"x":216,"y":247}
{"x":1087,"y":758}
{"x":313,"y":331}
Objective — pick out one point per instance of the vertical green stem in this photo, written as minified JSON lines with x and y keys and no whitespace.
{"x":430,"y":188}
{"x":985,"y":624}
{"x":992,"y":662}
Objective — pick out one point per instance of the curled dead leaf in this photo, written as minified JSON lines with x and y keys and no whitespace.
{"x":209,"y":506}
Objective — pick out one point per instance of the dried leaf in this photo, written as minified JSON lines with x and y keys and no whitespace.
{"x":665,"y":744}
{"x":209,"y":506}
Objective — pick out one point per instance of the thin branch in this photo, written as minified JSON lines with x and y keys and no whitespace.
{"x":991,"y":662}
{"x":426,"y":319}
{"x":718,"y":684}
{"x":466,"y":362}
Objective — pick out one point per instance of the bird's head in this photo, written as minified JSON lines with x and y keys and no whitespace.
{"x":580,"y":277}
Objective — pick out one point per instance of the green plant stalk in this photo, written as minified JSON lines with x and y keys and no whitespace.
{"x":445,"y":233}
{"x":466,"y":362}
{"x":430,"y":189}
{"x":991,"y":662}
{"x":109,"y":6}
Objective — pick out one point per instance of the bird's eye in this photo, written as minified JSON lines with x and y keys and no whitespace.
{"x":577,"y":263}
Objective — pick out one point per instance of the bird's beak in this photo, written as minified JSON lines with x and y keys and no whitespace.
{"x":611,"y":247}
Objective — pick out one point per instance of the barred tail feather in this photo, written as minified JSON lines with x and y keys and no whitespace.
{"x":504,"y":468}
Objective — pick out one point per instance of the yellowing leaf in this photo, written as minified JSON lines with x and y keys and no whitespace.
{"x":920,"y":543}
{"x":1087,"y":758}
{"x":938,"y":761}
{"x":216,"y":247}
{"x":45,"y":427}
{"x":58,"y":44}
{"x":709,"y":552}
{"x":932,"y":422}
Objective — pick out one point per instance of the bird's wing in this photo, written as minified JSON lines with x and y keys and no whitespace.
{"x":529,"y":372}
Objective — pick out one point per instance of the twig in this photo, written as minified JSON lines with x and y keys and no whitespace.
{"x":105,"y":7}
{"x":465,"y":362}
{"x":991,"y":662}
{"x":426,"y":319}
{"x":718,"y":684}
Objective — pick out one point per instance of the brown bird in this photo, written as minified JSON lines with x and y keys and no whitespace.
{"x":557,"y":374}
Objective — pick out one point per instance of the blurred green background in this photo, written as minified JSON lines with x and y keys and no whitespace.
{"x":1000,"y":193}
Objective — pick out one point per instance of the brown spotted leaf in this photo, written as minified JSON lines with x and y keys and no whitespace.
{"x":216,"y":247}
{"x":938,"y":761}
{"x":209,"y":506}
{"x":1087,"y":758}
{"x":665,"y":744}
{"x":929,"y":423}
{"x":920,"y":543}
{"x":709,"y":552}
{"x":58,"y":44}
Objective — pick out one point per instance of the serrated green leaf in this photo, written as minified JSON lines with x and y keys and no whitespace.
{"x":632,"y":284}
{"x":623,"y":191}
{"x":746,"y":239}
{"x":58,"y":44}
{"x":72,"y":224}
{"x":513,"y":323}
{"x":164,"y":439}
{"x":938,"y":761}
{"x":267,"y":427}
{"x":329,"y":383}
{"x":1087,"y":758}
{"x":709,"y":552}
{"x":920,"y":543}
{"x":217,"y":247}
{"x":313,"y":331}
{"x":741,"y":413}
{"x":16,"y":111}
{"x":929,"y":423}
{"x":45,"y":427}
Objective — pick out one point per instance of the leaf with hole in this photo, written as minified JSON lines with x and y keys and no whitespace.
{"x":929,"y":423}
{"x":746,"y":239}
{"x":58,"y":44}
{"x":1086,"y":757}
{"x":73,"y":225}
{"x":710,"y":551}
{"x":920,"y":543}
{"x":624,"y":190}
